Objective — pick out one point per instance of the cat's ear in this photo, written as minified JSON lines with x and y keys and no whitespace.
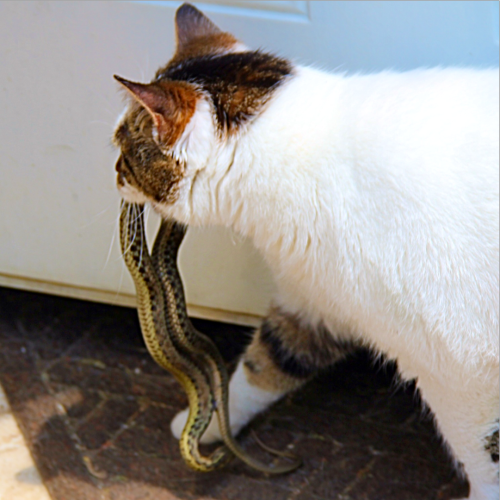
{"x":197,"y":35}
{"x":170,"y":104}
{"x":190,"y":23}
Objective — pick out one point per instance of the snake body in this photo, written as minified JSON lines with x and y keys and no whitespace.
{"x":154,"y":321}
{"x":177,"y":346}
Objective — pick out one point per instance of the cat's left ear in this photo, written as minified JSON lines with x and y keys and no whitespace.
{"x":170,"y":104}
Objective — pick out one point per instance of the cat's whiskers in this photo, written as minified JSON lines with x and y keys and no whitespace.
{"x":191,"y":192}
{"x":131,"y":212}
{"x":140,"y":227}
{"x":95,"y":217}
{"x":123,"y":266}
{"x":142,"y":230}
{"x":118,"y":290}
{"x":108,"y":256}
{"x":113,"y":236}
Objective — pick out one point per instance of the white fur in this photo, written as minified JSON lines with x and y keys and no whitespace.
{"x":131,"y":194}
{"x":197,"y":138}
{"x":374,"y":200}
{"x":121,"y":117}
{"x":245,"y":401}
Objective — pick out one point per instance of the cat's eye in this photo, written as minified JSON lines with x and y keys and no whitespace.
{"x":125,"y":173}
{"x":123,"y":165}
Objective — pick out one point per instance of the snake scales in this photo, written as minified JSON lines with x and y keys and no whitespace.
{"x":177,"y":346}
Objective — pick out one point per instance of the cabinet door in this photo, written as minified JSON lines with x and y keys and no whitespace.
{"x":59,"y":102}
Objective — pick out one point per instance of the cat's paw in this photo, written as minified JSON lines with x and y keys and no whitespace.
{"x":211,"y":435}
{"x":245,"y":401}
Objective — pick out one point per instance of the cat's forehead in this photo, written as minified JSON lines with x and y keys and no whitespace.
{"x":121,"y":124}
{"x":120,"y":127}
{"x":131,"y":115}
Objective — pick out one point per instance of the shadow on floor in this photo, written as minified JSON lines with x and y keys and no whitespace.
{"x":95,"y":411}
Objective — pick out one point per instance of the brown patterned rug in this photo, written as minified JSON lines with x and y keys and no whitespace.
{"x":95,"y":412}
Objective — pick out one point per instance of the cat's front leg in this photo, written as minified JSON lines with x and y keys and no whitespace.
{"x":284,"y":353}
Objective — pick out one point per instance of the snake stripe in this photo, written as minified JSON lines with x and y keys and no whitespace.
{"x":177,"y":346}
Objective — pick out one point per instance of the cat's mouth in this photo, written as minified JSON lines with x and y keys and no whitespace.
{"x":127,"y":191}
{"x":131,"y":194}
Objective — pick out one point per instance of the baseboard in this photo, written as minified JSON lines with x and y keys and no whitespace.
{"x":120,"y":299}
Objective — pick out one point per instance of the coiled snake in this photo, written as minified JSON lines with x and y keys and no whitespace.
{"x":177,"y":346}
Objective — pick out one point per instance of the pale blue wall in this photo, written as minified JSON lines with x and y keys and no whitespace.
{"x":361,"y":35}
{"x":372,"y":35}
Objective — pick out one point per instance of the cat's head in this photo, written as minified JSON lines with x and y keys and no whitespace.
{"x":208,"y":92}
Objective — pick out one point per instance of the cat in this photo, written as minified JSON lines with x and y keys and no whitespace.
{"x":374,"y":200}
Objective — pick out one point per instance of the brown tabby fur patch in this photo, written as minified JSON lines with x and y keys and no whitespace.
{"x":142,"y":163}
{"x":170,"y":104}
{"x":491,"y":445}
{"x":238,"y":84}
{"x":285,"y":353}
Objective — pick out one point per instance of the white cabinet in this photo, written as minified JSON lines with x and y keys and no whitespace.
{"x":59,"y":103}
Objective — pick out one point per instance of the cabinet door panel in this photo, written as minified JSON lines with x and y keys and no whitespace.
{"x":59,"y":104}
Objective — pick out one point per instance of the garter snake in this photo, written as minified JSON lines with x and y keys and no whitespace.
{"x":154,"y":321}
{"x":176,"y":345}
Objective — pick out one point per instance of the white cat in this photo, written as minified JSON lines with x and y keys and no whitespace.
{"x":374,"y":200}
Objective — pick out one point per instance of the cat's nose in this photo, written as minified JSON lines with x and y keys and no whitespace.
{"x":118,"y":166}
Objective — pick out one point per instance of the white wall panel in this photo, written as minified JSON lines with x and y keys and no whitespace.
{"x":58,"y":104}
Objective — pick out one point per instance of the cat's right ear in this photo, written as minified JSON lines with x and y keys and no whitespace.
{"x":190,"y":23}
{"x":197,"y":35}
{"x":170,"y":104}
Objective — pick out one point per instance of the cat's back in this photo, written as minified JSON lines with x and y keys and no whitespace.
{"x":434,"y":130}
{"x":419,"y":114}
{"x":426,"y":86}
{"x":434,"y":108}
{"x":428,"y":132}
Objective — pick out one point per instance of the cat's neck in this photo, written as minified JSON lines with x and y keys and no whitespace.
{"x":236,"y":188}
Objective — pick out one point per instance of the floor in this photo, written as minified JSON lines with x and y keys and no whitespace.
{"x":94,"y":412}
{"x":18,"y":475}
